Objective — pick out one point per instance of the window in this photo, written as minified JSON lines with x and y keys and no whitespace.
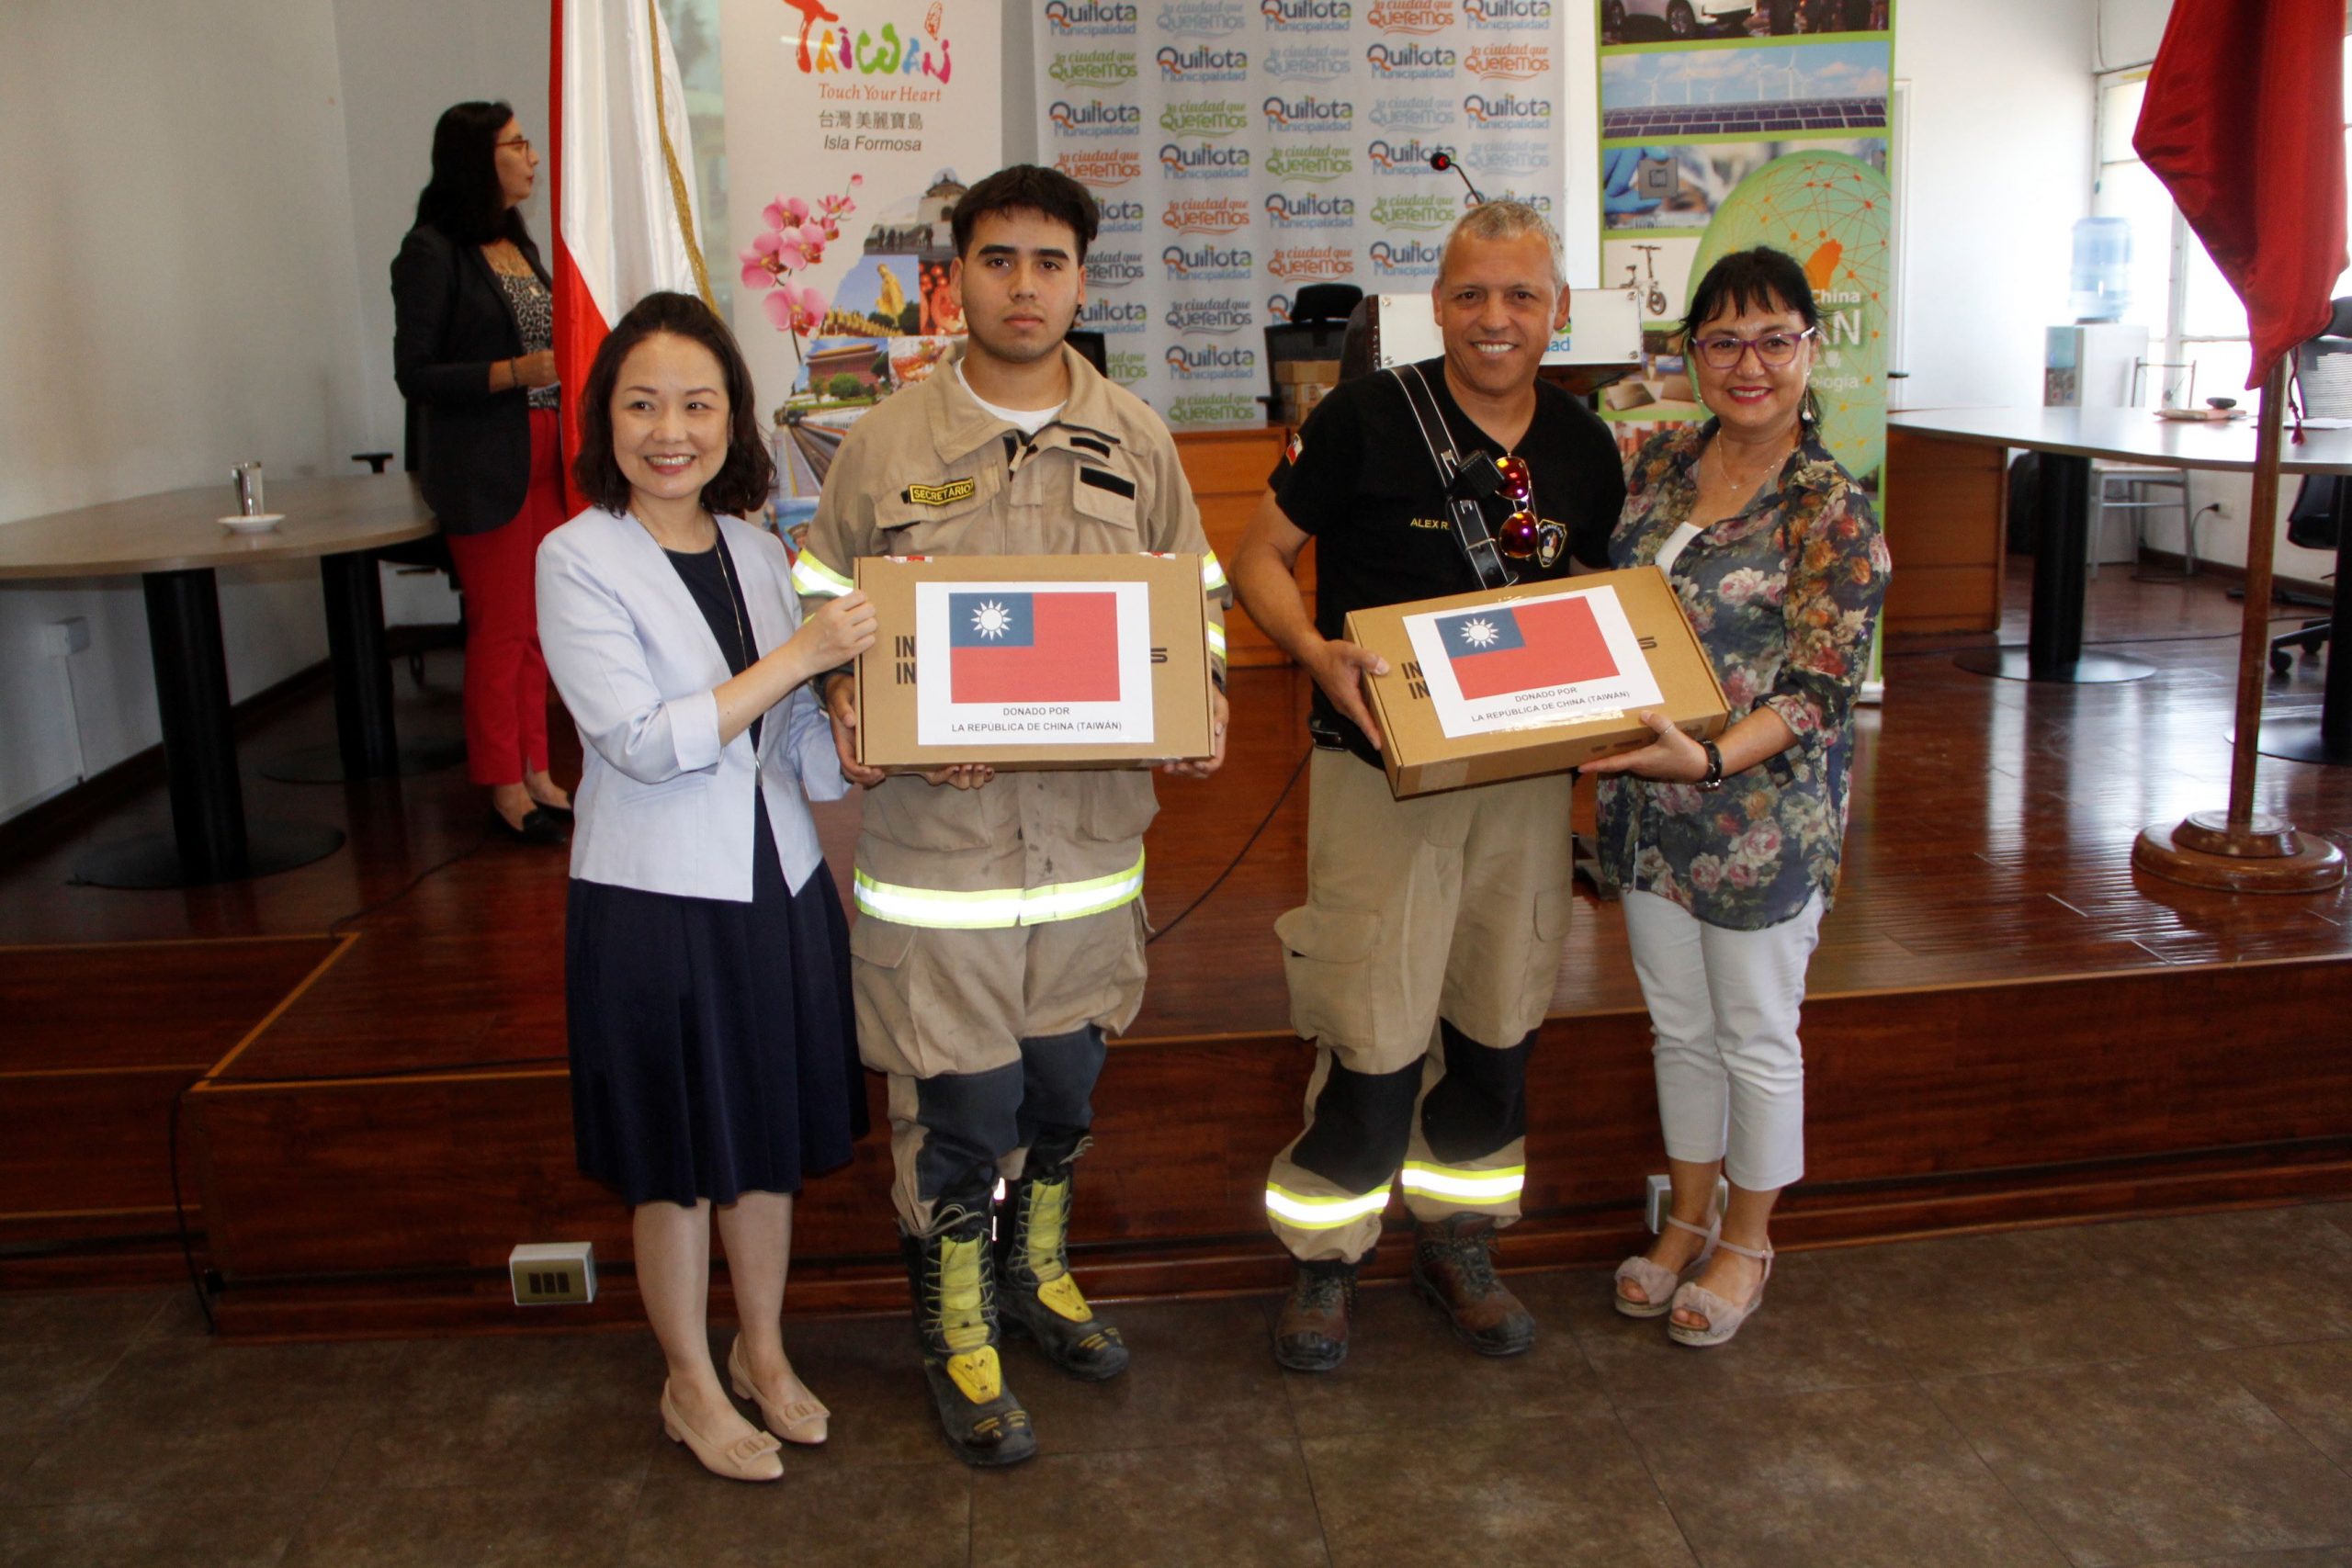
{"x":2192,"y":315}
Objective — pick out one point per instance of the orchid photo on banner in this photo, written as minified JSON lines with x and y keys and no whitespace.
{"x":792,"y":241}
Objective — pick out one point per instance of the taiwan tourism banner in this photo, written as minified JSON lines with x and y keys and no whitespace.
{"x":1243,"y":150}
{"x":831,"y":140}
{"x":1724,"y":127}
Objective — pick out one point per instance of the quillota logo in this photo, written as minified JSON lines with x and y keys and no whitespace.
{"x":1509,"y":61}
{"x":1427,"y":112}
{"x":1206,"y":263}
{"x":1404,"y":157}
{"x":1121,"y":217}
{"x":1114,"y":315}
{"x":1126,"y":365}
{"x":1527,"y":155}
{"x":1216,"y":408}
{"x":1093,"y":67}
{"x":1196,"y":316}
{"x":1309,"y":61}
{"x":1112,"y":167}
{"x":1205,"y":162}
{"x":1277,"y":308}
{"x":1212,"y":215}
{"x":1214,"y":118}
{"x":1306,"y":16}
{"x":1311,"y":209}
{"x":1201,"y":19}
{"x":1410,"y":259}
{"x":1415,"y":212}
{"x":1201,"y":64}
{"x":1093,"y":117}
{"x":1410,"y":61}
{"x":1212,"y":361}
{"x":1536,"y":199}
{"x":1320,"y":161}
{"x":1308,"y":262}
{"x":1091,"y":17}
{"x":1508,"y":112}
{"x":1113,"y":269}
{"x":1308,"y":114}
{"x":1423,"y":16}
{"x":1498,"y":14}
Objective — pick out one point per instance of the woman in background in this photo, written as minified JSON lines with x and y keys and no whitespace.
{"x":473,"y":351}
{"x":714,"y":1061}
{"x":1727,"y":850}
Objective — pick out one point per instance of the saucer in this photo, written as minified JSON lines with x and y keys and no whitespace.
{"x":259,"y":523}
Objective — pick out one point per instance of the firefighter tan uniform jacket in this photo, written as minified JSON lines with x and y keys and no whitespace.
{"x":1014,"y":911}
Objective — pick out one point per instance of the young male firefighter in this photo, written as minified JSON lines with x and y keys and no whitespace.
{"x":999,"y":935}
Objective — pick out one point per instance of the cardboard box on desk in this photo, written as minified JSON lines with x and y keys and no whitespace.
{"x":1033,"y":661}
{"x":1536,"y":678}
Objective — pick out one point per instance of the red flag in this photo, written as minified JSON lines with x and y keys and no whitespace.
{"x":1033,"y":647}
{"x":1501,"y":650}
{"x":2243,"y":123}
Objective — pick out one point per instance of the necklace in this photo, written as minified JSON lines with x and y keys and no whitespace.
{"x":727,"y":573}
{"x":1723,"y":467}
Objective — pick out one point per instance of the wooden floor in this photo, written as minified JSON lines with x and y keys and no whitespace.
{"x":2006,"y":1024}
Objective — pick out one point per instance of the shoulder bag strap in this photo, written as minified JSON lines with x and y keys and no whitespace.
{"x":1469,"y":519}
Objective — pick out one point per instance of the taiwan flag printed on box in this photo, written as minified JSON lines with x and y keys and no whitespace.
{"x":1498,"y":651}
{"x":1061,"y":647}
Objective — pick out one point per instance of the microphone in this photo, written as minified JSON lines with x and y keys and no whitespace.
{"x":1441,"y":162}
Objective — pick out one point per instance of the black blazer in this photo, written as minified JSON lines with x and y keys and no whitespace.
{"x":450,"y":323}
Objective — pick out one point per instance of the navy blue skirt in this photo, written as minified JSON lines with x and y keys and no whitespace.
{"x":714,"y":1050}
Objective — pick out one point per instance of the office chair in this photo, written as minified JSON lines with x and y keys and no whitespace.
{"x":2324,"y":369}
{"x":1311,"y":337}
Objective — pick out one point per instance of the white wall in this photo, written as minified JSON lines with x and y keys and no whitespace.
{"x":177,"y":268}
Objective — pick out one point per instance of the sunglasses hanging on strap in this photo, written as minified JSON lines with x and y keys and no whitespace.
{"x":1465,"y":482}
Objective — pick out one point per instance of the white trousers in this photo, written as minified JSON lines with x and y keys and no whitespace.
{"x":1724,"y":1012}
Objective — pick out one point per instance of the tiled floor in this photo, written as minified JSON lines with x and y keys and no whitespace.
{"x":2172,"y":1390}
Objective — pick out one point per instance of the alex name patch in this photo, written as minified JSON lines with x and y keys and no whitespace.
{"x":940,"y":495}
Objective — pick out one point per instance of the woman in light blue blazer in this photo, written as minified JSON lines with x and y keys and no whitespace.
{"x":714,"y":1059}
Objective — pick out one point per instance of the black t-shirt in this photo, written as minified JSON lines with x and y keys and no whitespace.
{"x":1361,"y":481}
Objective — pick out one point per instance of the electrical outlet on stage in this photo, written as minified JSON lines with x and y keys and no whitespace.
{"x":1657,"y":1200}
{"x":559,"y":1273}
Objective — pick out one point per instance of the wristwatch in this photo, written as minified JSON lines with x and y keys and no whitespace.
{"x":1714,"y":780}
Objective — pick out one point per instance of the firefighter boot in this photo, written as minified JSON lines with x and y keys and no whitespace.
{"x":952,"y":1275}
{"x":1311,"y":1335}
{"x":1454,"y":1266}
{"x":1041,"y":1296}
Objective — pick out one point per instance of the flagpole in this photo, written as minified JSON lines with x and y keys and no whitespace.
{"x":2242,"y":850}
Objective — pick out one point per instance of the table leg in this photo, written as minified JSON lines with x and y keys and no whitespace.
{"x":2329,"y":737}
{"x":368,"y":745}
{"x":2053,"y":650}
{"x":210,"y":841}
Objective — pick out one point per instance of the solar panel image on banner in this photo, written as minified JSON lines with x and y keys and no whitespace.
{"x":1668,"y":122}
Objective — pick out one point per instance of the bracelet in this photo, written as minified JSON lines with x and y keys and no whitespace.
{"x":1714,"y":780}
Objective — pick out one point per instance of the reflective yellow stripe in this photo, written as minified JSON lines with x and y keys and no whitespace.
{"x":1464,"y":1186}
{"x":1212,"y":573}
{"x":997,"y":908}
{"x":812,"y":579}
{"x":1216,"y":639}
{"x":1321,"y":1213}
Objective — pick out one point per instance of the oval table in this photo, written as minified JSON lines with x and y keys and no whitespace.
{"x":174,"y":542}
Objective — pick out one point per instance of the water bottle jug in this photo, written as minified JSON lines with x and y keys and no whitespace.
{"x":2101,"y":282}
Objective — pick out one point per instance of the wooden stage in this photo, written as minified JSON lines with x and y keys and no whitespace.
{"x":2007,"y":1026}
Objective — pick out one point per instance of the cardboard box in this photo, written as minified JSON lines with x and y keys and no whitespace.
{"x":1113,"y":674}
{"x":1534,"y":678}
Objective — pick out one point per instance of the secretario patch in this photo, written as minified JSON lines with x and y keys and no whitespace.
{"x":940,"y":495}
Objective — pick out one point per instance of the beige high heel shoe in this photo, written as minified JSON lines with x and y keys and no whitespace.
{"x":1724,"y":1317}
{"x":751,"y":1458}
{"x":802,"y":1421}
{"x":1656,"y":1281}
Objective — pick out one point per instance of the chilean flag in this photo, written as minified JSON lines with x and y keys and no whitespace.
{"x":1502,"y":649}
{"x":1033,"y":647}
{"x":626,"y":219}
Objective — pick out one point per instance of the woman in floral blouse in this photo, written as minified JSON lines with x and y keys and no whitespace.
{"x":1727,"y":850}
